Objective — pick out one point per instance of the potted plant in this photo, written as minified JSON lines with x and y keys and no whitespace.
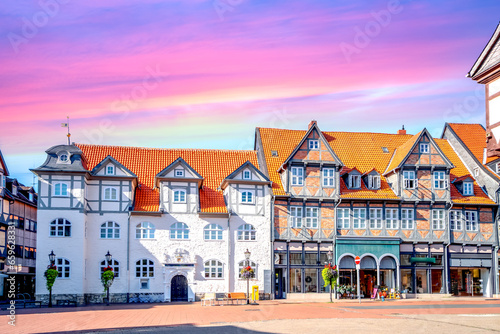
{"x":50,"y":276}
{"x":341,"y":290}
{"x":107,"y":278}
{"x":246,"y":272}
{"x":330,"y":275}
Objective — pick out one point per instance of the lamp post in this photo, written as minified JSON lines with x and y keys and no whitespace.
{"x":108,"y":260}
{"x":329,"y":255}
{"x":52,"y":259}
{"x":247,"y":257}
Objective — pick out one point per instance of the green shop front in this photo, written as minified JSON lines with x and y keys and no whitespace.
{"x":379,"y":263}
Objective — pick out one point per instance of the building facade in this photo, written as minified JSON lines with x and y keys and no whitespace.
{"x":176,"y":222}
{"x":18,"y":226}
{"x":406,"y":205}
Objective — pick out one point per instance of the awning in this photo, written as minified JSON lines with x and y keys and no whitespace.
{"x":422,"y":260}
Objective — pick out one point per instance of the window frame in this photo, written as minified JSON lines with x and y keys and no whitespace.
{"x":114,"y":229}
{"x":376,"y":220}
{"x":426,"y":146}
{"x":182,"y":172}
{"x":297,"y":176}
{"x":469,"y":224}
{"x":354,"y":181}
{"x":147,"y":268}
{"x":359,"y":218}
{"x":313,"y":144}
{"x":61,"y":268}
{"x":468,"y":188}
{"x":295,"y":218}
{"x":342,"y":219}
{"x":179,"y":231}
{"x":374,"y":181}
{"x":407,"y":222}
{"x":246,"y":175}
{"x":65,"y":226}
{"x":145,"y":228}
{"x":179,"y":200}
{"x":438,"y":223}
{"x":456,"y":220}
{"x":325,"y":177}
{"x":246,"y":199}
{"x":213,"y":230}
{"x":311,"y":217}
{"x":109,"y":196}
{"x":392,"y":219}
{"x":243,"y":231}
{"x":107,"y":170}
{"x":409,"y":182}
{"x":61,"y":188}
{"x":439,"y":180}
{"x":211,"y":264}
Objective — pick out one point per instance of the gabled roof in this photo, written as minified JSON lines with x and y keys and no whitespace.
{"x":403,"y":152}
{"x":146,"y":163}
{"x":345,"y":170}
{"x":313,"y":126}
{"x":489,"y":57}
{"x":371,"y":171}
{"x":263,"y":179}
{"x":183,"y":163}
{"x":4,"y":164}
{"x":109,"y":158}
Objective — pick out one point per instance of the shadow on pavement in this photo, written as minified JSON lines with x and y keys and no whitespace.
{"x":172,"y":329}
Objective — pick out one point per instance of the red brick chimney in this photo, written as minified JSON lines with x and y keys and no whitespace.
{"x":402,"y":131}
{"x":313,"y":122}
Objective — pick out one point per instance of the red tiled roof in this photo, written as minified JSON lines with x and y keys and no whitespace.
{"x":401,"y":152}
{"x":212,"y":165}
{"x":474,"y":137}
{"x":363,"y":151}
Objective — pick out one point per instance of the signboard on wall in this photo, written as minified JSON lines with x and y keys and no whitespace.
{"x":267,"y":281}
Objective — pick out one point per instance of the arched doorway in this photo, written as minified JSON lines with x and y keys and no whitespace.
{"x":179,"y":289}
{"x":367,"y":275}
{"x":388,"y":269}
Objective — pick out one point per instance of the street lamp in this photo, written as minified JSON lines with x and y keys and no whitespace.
{"x":329,"y":255}
{"x":247,"y":257}
{"x":108,"y":259}
{"x":52,"y":259}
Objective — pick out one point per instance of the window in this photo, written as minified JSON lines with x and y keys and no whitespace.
{"x":456,"y":220}
{"x":424,"y":147}
{"x":407,"y":219}
{"x":374,"y":181}
{"x":114,"y":264}
{"x":471,"y":221}
{"x":343,"y":218}
{"x":385,"y":149}
{"x":354,"y":181}
{"x":145,"y":230}
{"x":359,"y":218}
{"x":212,"y":232}
{"x":329,"y":177}
{"x":63,"y":158}
{"x":476,"y":172}
{"x":247,"y":175}
{"x":246,"y":232}
{"x":213,"y":269}
{"x":110,"y":170}
{"x":110,"y":194}
{"x":31,"y":197}
{"x":179,"y":172}
{"x":246,"y":197}
{"x":312,"y":217}
{"x":179,"y":231}
{"x":375,"y":218}
{"x":391,"y":219}
{"x":60,"y":189}
{"x":409,"y":179}
{"x":296,"y":216}
{"x":439,"y":180}
{"x":14,"y":190}
{"x":63,"y":267}
{"x":313,"y":144}
{"x":438,"y":219}
{"x":243,"y":264}
{"x":110,"y":230}
{"x":60,"y":228}
{"x":144,"y":268}
{"x":179,"y":196}
{"x":2,"y":181}
{"x":468,"y":188}
{"x":297,"y":176}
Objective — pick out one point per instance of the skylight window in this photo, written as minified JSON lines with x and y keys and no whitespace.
{"x":385,"y":149}
{"x":274,"y":153}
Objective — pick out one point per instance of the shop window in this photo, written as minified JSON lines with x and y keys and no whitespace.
{"x":311,"y":258}
{"x":311,"y":280}
{"x":421,"y":280}
{"x":437,"y":280}
{"x":295,"y":258}
{"x":295,"y":280}
{"x":405,"y":259}
{"x":407,"y":281}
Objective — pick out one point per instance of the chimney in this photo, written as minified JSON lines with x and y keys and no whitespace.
{"x":402,"y":131}
{"x":485,"y":155}
{"x":313,"y":122}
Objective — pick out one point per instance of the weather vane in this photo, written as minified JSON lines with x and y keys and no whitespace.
{"x":66,"y":125}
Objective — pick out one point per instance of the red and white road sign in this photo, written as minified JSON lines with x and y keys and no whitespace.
{"x":357,"y":260}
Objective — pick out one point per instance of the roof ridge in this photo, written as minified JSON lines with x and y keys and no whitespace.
{"x":360,"y":132}
{"x":167,"y":149}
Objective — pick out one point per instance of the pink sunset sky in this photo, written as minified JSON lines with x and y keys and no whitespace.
{"x":205,"y":73}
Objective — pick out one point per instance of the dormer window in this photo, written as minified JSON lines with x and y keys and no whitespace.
{"x":424,"y":147}
{"x":297,"y":176}
{"x":63,"y":158}
{"x":439,"y":180}
{"x":31,"y":197}
{"x":468,"y":189}
{"x":14,"y":190}
{"x":354,"y":181}
{"x":179,"y":173}
{"x":179,"y":196}
{"x":247,"y":175}
{"x":313,"y":144}
{"x":373,"y":181}
{"x":110,"y":170}
{"x":409,"y":179}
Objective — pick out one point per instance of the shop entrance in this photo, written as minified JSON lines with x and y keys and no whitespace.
{"x":279,"y":282}
{"x":466,"y":282}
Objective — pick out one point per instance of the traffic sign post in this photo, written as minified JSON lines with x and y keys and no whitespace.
{"x":357,"y":260}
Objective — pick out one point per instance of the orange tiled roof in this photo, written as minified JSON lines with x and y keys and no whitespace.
{"x":213,"y":165}
{"x":363,"y":151}
{"x":474,"y":137}
{"x":401,"y":152}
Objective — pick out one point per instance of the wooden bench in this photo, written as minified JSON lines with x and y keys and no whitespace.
{"x":65,"y":302}
{"x":210,"y":298}
{"x":237,"y":296}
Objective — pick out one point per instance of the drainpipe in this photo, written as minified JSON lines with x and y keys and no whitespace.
{"x":445,"y":255}
{"x":271,"y":214}
{"x":333,"y":240}
{"x":128,"y":257}
{"x":229,"y":266}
